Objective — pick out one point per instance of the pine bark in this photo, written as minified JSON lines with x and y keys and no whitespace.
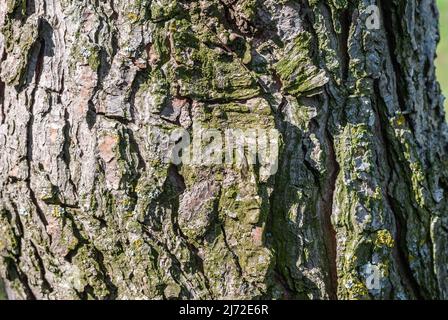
{"x":89,"y":209}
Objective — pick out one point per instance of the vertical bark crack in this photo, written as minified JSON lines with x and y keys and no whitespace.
{"x":2,"y":92}
{"x":29,"y":156}
{"x":329,"y":230}
{"x":235,"y":257}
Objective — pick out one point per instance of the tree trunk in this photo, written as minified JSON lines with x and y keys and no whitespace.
{"x":89,"y":208}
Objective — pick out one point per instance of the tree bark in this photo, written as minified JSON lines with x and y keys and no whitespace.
{"x":89,"y":209}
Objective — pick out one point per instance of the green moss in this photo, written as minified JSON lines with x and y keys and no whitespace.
{"x":68,"y":239}
{"x":86,"y":53}
{"x":358,"y":291}
{"x":164,"y":10}
{"x":16,"y":7}
{"x":94,"y":59}
{"x":247,"y":56}
{"x":160,"y":46}
{"x":338,"y":7}
{"x":90,"y":274}
{"x":249,"y":9}
{"x":339,"y":4}
{"x":203,"y":73}
{"x":138,"y":11}
{"x":419,"y":183}
{"x":296,"y":69}
{"x":20,"y":41}
{"x":93,"y":203}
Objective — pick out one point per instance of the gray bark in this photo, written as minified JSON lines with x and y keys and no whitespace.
{"x":89,"y":209}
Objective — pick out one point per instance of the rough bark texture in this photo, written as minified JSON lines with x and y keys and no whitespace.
{"x":88,"y":208}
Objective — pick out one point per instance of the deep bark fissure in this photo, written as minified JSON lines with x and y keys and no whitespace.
{"x":389,"y":30}
{"x":46,"y":287}
{"x":2,"y":91}
{"x":13,"y":262}
{"x":346,"y":23}
{"x":30,"y":132}
{"x":328,"y":197}
{"x":77,"y":234}
{"x":67,"y":158}
{"x":12,"y":268}
{"x":113,"y":290}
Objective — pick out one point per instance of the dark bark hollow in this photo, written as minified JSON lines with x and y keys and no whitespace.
{"x":90,"y":209}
